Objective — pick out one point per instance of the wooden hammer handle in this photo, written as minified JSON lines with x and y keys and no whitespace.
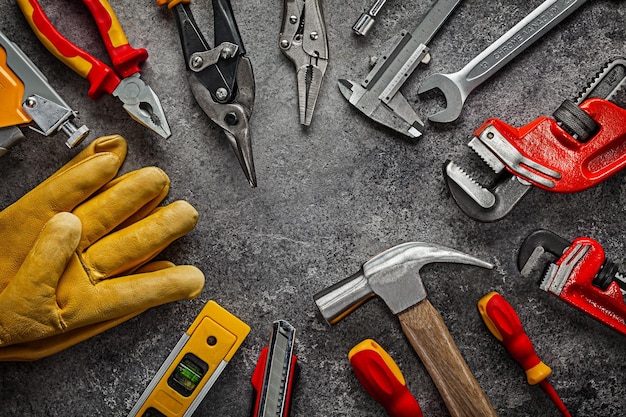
{"x":428,"y":334}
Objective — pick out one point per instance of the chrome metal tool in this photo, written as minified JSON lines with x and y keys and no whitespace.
{"x":457,"y":86}
{"x":303,"y":40}
{"x":121,"y":80}
{"x":394,"y":276}
{"x":378,"y":96}
{"x":365,"y":22}
{"x":27,"y":99}
{"x":221,"y":78}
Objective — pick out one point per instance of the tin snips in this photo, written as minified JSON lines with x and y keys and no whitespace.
{"x":220,"y":78}
{"x":581,"y":276}
{"x":303,"y":40}
{"x":582,"y":145}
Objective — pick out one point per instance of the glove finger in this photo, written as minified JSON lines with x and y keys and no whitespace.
{"x":63,"y":191}
{"x":92,"y":168}
{"x":122,"y":198}
{"x":126,"y":249}
{"x":114,"y":144}
{"x":45,"y":263}
{"x":28,"y":303}
{"x":37,"y":349}
{"x":121,"y":296}
{"x":30,"y":351}
{"x":154,"y":266}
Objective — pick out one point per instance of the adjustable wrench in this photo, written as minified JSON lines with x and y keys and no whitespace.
{"x":457,"y":86}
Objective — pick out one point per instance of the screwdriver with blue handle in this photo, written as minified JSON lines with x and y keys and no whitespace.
{"x":382,"y":379}
{"x":504,"y":323}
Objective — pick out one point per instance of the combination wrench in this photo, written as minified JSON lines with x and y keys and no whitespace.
{"x":457,"y":86}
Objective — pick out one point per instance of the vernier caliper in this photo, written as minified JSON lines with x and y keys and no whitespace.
{"x":378,"y":96}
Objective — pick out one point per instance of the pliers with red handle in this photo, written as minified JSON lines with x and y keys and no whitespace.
{"x":123,"y":81}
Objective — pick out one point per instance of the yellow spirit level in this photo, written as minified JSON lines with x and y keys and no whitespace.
{"x":194,"y":365}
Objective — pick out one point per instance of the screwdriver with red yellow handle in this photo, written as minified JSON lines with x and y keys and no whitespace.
{"x":382,"y":379}
{"x":504,"y":323}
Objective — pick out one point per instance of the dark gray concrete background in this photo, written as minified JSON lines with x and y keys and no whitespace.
{"x":331,"y":196}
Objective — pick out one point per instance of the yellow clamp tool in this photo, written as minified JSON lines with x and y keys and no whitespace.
{"x":194,"y":365}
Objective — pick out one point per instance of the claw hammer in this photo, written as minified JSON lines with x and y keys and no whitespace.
{"x":393,"y":275}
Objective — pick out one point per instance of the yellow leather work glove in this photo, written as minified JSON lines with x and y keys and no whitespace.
{"x":76,"y":253}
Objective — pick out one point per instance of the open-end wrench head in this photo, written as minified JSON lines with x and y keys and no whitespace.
{"x":535,"y":245}
{"x":454,"y":95}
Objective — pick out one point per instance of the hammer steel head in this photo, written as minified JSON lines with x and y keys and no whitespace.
{"x":393,"y":275}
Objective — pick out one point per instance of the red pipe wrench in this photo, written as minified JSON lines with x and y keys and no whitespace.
{"x":583,"y":144}
{"x":581,"y":276}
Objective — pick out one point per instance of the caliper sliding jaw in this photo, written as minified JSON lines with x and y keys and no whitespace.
{"x":581,"y":276}
{"x":378,"y":96}
{"x":581,"y":146}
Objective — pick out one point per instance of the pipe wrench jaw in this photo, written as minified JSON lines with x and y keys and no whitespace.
{"x":581,"y":276}
{"x":494,"y":201}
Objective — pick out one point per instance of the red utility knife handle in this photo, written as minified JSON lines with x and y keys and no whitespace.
{"x":582,"y":165}
{"x":257,"y":381}
{"x":382,"y":379}
{"x":608,"y":305}
{"x":101,"y":77}
{"x":504,"y":323}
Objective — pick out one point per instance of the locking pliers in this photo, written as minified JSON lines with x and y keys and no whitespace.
{"x":220,"y":78}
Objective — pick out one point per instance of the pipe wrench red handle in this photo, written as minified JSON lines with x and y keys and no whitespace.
{"x":578,"y":165}
{"x":581,"y":276}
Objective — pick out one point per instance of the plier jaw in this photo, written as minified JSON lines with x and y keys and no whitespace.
{"x":121,"y":81}
{"x":221,"y":78}
{"x":303,"y":40}
{"x":142,"y":104}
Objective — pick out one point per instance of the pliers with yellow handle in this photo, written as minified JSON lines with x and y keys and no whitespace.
{"x":123,"y":81}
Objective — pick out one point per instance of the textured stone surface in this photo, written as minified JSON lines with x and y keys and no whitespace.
{"x":331,"y":196}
